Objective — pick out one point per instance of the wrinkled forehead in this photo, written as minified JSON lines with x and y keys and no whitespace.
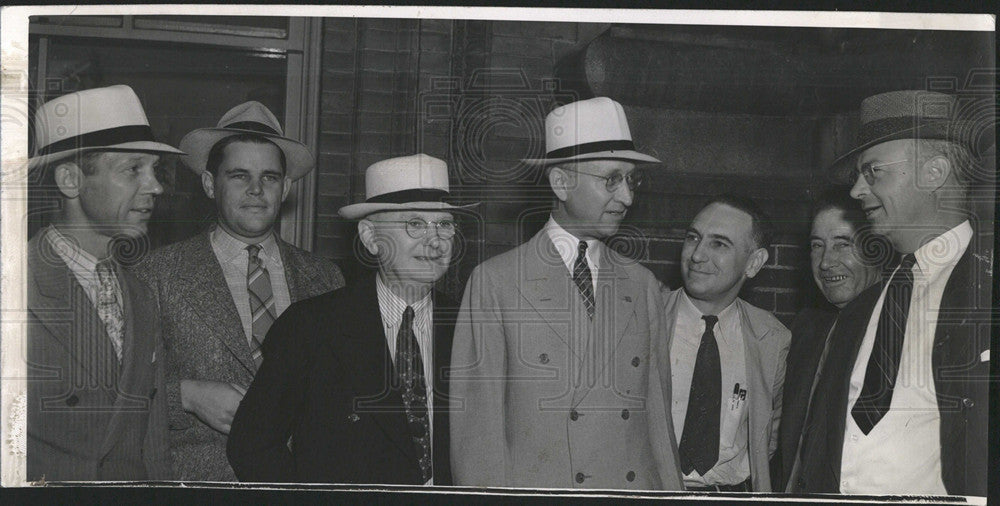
{"x":605,"y":167}
{"x":831,"y":222}
{"x":889,"y":151}
{"x":409,"y":214}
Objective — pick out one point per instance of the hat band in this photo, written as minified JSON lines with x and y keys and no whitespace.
{"x":880,"y":128}
{"x":406,"y":196}
{"x":254,"y":127}
{"x":101,"y":138}
{"x":590,"y":147}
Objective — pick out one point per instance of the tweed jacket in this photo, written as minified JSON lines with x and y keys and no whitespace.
{"x":544,"y":397}
{"x":205,"y":339}
{"x":766,"y":343}
{"x":328,"y":383}
{"x":89,"y":418}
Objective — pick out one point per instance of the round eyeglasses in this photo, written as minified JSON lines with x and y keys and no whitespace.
{"x":868,"y":170}
{"x":418,"y":227}
{"x":611,"y":183}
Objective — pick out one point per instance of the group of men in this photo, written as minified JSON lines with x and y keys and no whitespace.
{"x":234,"y":355}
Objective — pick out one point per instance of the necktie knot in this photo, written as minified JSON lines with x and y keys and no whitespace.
{"x":906,"y":263}
{"x":710,"y":321}
{"x":408,"y":316}
{"x":582,"y":248}
{"x":253,"y":250}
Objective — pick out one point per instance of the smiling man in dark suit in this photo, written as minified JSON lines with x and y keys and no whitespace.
{"x":901,"y":404}
{"x":220,"y":290}
{"x":355,"y":377}
{"x":96,"y":408}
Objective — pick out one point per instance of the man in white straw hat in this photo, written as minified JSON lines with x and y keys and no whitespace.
{"x":554,"y":377}
{"x":901,"y":400}
{"x":220,"y":290}
{"x":355,"y":377}
{"x":94,"y":351}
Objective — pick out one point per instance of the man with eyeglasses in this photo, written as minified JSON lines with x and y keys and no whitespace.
{"x":554,"y":381}
{"x":901,"y":403}
{"x":352,"y":388}
{"x":220,"y":291}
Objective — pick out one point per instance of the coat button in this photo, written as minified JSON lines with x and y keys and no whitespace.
{"x":625,"y":415}
{"x":543,"y":358}
{"x":573,"y":415}
{"x":580,"y":477}
{"x":635,"y":361}
{"x":72,"y":401}
{"x":630,"y":476}
{"x":967,"y":402}
{"x":353,"y":417}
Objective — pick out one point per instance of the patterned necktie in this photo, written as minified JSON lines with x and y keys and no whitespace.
{"x":699,"y":447}
{"x":109,"y":306}
{"x":583,"y":279}
{"x":261,"y":301}
{"x":883,"y":364}
{"x":410,"y":369}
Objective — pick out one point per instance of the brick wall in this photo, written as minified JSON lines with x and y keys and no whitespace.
{"x":475,"y":93}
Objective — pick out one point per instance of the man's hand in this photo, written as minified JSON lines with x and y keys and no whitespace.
{"x":213,"y":402}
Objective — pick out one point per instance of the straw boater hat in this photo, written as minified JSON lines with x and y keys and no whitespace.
{"x":108,"y":118}
{"x":247,"y":118}
{"x":594,"y":129}
{"x":405,"y":183}
{"x":907,"y":114}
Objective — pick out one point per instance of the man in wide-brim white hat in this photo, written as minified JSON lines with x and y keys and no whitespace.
{"x":364,"y":365}
{"x":901,"y":403}
{"x":554,"y":379}
{"x":93,"y":329}
{"x":220,"y":291}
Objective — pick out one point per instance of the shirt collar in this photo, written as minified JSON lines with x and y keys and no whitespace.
{"x":231,"y":247}
{"x":73,"y":255}
{"x":395,"y":305}
{"x":568,"y":244}
{"x":689,"y":310}
{"x":944,"y":250}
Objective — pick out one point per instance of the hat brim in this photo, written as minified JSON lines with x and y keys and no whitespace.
{"x":839,"y":172}
{"x":623,"y":155}
{"x":362,"y":209}
{"x":145,"y":146}
{"x":197,"y":143}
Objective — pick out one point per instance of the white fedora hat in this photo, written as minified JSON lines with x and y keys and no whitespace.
{"x":409,"y":182}
{"x":89,"y":120}
{"x":247,"y":118}
{"x":593,"y":129}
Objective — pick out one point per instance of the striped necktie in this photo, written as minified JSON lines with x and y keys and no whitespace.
{"x":583,"y":279}
{"x":109,"y":304}
{"x":261,"y":301}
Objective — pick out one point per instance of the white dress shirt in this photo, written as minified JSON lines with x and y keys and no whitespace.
{"x":733,"y":466}
{"x":391,"y":308}
{"x":568,"y":246}
{"x":233,"y":258}
{"x":902,"y":453}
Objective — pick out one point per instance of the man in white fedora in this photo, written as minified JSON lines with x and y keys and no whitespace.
{"x":355,"y":377}
{"x":96,"y":410}
{"x":554,"y":381}
{"x":901,"y":401}
{"x":220,"y":290}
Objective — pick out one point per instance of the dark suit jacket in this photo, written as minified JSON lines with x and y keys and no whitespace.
{"x":809,"y":331}
{"x":205,"y":339}
{"x":327,"y":382}
{"x":961,"y":380}
{"x":88,"y":419}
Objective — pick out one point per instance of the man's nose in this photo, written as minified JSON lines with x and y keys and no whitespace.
{"x":860,"y":187}
{"x":624,"y":194}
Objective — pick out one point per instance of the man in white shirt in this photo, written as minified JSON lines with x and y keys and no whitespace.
{"x":355,"y":378}
{"x":901,"y":405}
{"x":727,"y":356}
{"x":220,"y":290}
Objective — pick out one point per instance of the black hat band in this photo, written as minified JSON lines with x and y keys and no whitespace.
{"x":101,"y":138}
{"x":407,"y":196}
{"x":253,"y":126}
{"x":590,"y":147}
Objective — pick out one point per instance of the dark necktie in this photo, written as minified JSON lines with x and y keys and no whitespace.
{"x":261,"y":301}
{"x":583,"y":279}
{"x":883,"y":364}
{"x":109,"y":306}
{"x":410,"y":368}
{"x":699,"y":447}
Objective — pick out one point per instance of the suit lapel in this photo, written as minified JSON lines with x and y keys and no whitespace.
{"x":760,"y":375}
{"x":211,"y":300}
{"x":546,"y":285}
{"x":366,"y":349}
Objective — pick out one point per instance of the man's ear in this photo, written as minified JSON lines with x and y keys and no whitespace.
{"x":757,"y":260}
{"x":286,"y":185}
{"x":366,"y":232}
{"x":559,"y":181}
{"x":208,"y":183}
{"x":68,"y":176}
{"x":933,"y":173}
